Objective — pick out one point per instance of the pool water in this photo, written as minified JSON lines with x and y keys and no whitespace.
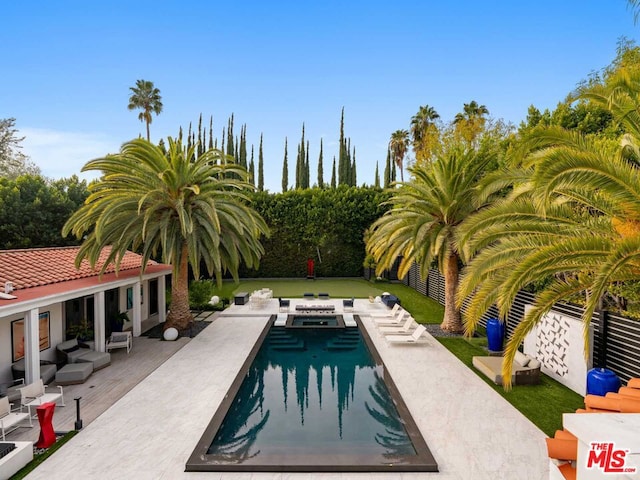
{"x":310,"y":396}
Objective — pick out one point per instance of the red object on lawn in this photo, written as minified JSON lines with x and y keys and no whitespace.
{"x":45,"y":417}
{"x":310,"y":268}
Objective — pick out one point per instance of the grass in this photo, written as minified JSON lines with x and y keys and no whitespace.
{"x":38,"y":459}
{"x":423,"y":309}
{"x":543,"y":404}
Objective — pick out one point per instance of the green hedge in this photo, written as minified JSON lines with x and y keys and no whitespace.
{"x":326,"y":225}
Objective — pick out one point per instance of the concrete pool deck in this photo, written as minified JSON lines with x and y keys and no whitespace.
{"x":150,"y":433}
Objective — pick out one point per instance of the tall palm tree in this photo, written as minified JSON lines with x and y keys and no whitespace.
{"x":470,"y":122}
{"x":186,"y":208}
{"x":147,"y":98}
{"x":578,"y":221}
{"x":399,"y":144}
{"x":422,"y":126}
{"x":425,"y":215}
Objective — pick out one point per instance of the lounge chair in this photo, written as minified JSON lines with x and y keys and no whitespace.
{"x":309,"y":295}
{"x":35,"y":394}
{"x":395,"y":320}
{"x":120,"y":340}
{"x":323,"y":296}
{"x":405,"y":329}
{"x":9,"y":420}
{"x":387,"y":313}
{"x":413,"y":338}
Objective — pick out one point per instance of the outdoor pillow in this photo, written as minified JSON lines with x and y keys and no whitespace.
{"x":71,"y":349}
{"x":119,"y":338}
{"x":521,"y":359}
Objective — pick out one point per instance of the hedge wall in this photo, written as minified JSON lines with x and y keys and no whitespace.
{"x":325,"y":225}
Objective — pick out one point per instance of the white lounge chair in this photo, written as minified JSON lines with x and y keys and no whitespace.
{"x":413,"y":338}
{"x":405,"y":329}
{"x":396,"y":320}
{"x":120,"y":340}
{"x":35,"y":394}
{"x":9,"y":420}
{"x":388,"y":313}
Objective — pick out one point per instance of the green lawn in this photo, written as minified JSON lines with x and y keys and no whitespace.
{"x":543,"y":404}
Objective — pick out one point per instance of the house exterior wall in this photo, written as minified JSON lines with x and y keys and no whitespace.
{"x":56,"y":333}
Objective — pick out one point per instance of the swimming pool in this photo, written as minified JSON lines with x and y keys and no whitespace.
{"x":312,"y":399}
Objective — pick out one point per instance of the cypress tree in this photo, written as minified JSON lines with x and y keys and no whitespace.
{"x":252,"y":170}
{"x":320,"y":168}
{"x":285,"y":169}
{"x":354,"y":180}
{"x":189,"y":137}
{"x":307,"y":175}
{"x":333,"y":173}
{"x":211,"y":133}
{"x":342,"y":153}
{"x":200,"y":137}
{"x":260,"y":168}
{"x":376,"y":178}
{"x":222,"y":142}
{"x":230,"y":146}
{"x":387,"y":170}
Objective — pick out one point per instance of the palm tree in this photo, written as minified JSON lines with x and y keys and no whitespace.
{"x":399,"y":144}
{"x":146,"y":98}
{"x":186,"y":208}
{"x":422,"y":126}
{"x":577,"y":222}
{"x":470,"y":122}
{"x":424,"y":216}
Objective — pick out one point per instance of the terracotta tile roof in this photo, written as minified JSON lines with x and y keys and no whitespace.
{"x":36,"y":267}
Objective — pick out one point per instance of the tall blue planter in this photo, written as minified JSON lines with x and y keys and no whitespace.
{"x":495,"y":334}
{"x":601,"y":381}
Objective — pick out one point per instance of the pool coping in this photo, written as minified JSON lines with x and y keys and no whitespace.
{"x":423,"y":461}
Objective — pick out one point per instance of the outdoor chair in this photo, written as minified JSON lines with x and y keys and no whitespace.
{"x":396,"y":319}
{"x":120,"y":340}
{"x":387,"y":313}
{"x":323,"y":296}
{"x":71,"y":350}
{"x":284,"y":304}
{"x":35,"y":394}
{"x":407,"y":339}
{"x":405,"y":329}
{"x":347,"y":305}
{"x":9,"y":420}
{"x":309,"y":295}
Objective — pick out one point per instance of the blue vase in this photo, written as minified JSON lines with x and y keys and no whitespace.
{"x":495,"y":334}
{"x":601,"y":381}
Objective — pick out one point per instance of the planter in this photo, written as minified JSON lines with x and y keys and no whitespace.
{"x":495,"y":334}
{"x":601,"y":381}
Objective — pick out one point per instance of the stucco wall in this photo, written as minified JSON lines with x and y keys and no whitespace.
{"x":55,"y":337}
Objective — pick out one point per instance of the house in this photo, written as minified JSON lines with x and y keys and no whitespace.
{"x":43,"y":297}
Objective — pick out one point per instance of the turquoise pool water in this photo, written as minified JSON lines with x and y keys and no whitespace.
{"x":312,"y":398}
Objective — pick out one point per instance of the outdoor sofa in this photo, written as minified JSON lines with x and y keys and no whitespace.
{"x":526,"y":370}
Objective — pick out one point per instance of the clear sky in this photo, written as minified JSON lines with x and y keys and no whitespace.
{"x":67,"y":67}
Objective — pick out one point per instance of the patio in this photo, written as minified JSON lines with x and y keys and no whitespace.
{"x":150,"y":431}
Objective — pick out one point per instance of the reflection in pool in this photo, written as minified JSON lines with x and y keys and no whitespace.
{"x":313,"y":399}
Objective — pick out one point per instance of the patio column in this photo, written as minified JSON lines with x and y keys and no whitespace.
{"x":162,"y":299}
{"x":99,"y":328}
{"x":31,"y":346}
{"x":137,"y":311}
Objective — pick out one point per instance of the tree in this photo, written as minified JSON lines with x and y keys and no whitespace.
{"x":260,"y":168}
{"x":424,"y":132}
{"x":575,"y":219}
{"x":188,"y":209}
{"x":470,"y":122}
{"x":147,"y":98}
{"x":285,"y":169}
{"x":376,"y":178}
{"x":13,"y":162}
{"x":387,"y":170}
{"x":425,"y":215}
{"x":399,"y":145}
{"x":320,"y":168}
{"x":333,"y":173}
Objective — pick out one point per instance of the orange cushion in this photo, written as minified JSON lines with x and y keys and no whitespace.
{"x":562,"y":449}
{"x":629,"y":392}
{"x":628,"y":405}
{"x":568,"y":471}
{"x":602,"y":403}
{"x":634,"y":383}
{"x":564,"y":435}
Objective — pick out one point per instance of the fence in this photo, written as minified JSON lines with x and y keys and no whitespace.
{"x":616,"y":340}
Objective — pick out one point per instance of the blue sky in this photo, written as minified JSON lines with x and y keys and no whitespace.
{"x":68,"y":66}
